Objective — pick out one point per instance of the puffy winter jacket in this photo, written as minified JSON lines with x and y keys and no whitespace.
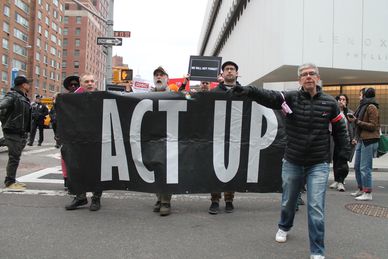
{"x":308,"y":126}
{"x":16,"y":112}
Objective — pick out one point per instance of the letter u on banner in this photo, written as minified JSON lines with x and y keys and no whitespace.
{"x":225,"y":174}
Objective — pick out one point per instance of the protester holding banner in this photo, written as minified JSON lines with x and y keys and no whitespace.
{"x":163,"y":203}
{"x":367,"y":122}
{"x":71,"y":83}
{"x":88,"y":84}
{"x":15,"y":116}
{"x":228,"y":81}
{"x":309,"y":113}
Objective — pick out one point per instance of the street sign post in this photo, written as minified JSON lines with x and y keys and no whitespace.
{"x":109,"y":41}
{"x":123,"y":34}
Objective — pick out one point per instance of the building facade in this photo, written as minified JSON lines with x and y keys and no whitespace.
{"x":80,"y":50}
{"x":346,"y":39}
{"x":31,"y":39}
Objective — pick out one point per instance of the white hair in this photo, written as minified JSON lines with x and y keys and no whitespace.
{"x":307,"y":65}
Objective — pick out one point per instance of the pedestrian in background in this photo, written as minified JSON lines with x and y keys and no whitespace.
{"x":15,"y":116}
{"x":53,"y":120}
{"x":227,"y":79}
{"x":341,"y":167}
{"x":88,"y":84}
{"x":39,"y":111}
{"x":309,"y":113}
{"x":367,"y":136}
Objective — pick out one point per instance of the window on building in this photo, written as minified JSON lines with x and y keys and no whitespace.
{"x":4,"y":76}
{"x":47,"y":7}
{"x":46,"y":46}
{"x":65,"y":42}
{"x":39,"y":15}
{"x":55,"y":2}
{"x":51,"y":87}
{"x":22,"y":6}
{"x":6,"y":10}
{"x":65,"y":31}
{"x":76,"y":64}
{"x":37,"y":70}
{"x":44,"y":72}
{"x":53,"y":38}
{"x":19,"y":50}
{"x":21,"y":20}
{"x":66,"y":19}
{"x":19,"y":64}
{"x":78,"y":19}
{"x":65,"y":53}
{"x":39,"y":29}
{"x":45,"y":59}
{"x":20,"y":35}
{"x":54,"y":26}
{"x":77,"y":31}
{"x":38,"y":42}
{"x":76,"y":52}
{"x":5,"y":43}
{"x":46,"y":33}
{"x":79,"y":7}
{"x":77,"y":42}
{"x":4,"y":60}
{"x":66,"y":6}
{"x":53,"y":51}
{"x":64,"y":64}
{"x":6,"y":27}
{"x":37,"y":56}
{"x":52,"y":76}
{"x":46,"y":20}
{"x":40,"y":2}
{"x":59,"y":43}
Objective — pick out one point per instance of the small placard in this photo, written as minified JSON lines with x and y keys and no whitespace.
{"x":204,"y":68}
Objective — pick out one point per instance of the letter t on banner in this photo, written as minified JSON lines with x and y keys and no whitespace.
{"x":172,"y":108}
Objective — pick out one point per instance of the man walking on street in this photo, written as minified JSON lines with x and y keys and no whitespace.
{"x":15,"y":115}
{"x":309,"y":113}
{"x":38,"y":114}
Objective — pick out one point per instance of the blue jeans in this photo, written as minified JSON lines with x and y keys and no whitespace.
{"x":363,"y":165}
{"x":316,"y":180}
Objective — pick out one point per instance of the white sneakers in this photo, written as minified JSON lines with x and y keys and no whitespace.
{"x":281,"y":236}
{"x":317,"y":257}
{"x":340,"y":187}
{"x":334,"y":185}
{"x":357,"y":193}
{"x":364,"y":197}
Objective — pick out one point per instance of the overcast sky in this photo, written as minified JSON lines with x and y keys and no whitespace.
{"x":163,"y":32}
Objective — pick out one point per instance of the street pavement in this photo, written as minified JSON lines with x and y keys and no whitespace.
{"x":34,"y":223}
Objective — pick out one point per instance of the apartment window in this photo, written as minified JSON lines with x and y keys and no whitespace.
{"x":39,"y":15}
{"x":55,"y":14}
{"x":44,"y":72}
{"x":22,"y":6}
{"x":59,"y":43}
{"x":4,"y":60}
{"x":19,"y":64}
{"x":78,"y":19}
{"x":6,"y":27}
{"x":4,"y":76}
{"x":53,"y":63}
{"x":44,"y":86}
{"x":6,"y":11}
{"x":5,"y":43}
{"x":37,"y":56}
{"x":51,"y":87}
{"x":40,"y":2}
{"x":53,"y":38}
{"x":66,"y":6}
{"x":39,"y":29}
{"x":46,"y":34}
{"x":20,"y":35}
{"x":76,"y":52}
{"x":65,"y":31}
{"x":55,"y":2}
{"x":21,"y":20}
{"x":59,"y":30}
{"x":76,"y":64}
{"x":45,"y":59}
{"x":66,"y":19}
{"x":77,"y":42}
{"x":38,"y":42}
{"x":54,"y":26}
{"x":37,"y":70}
{"x":64,"y":64}
{"x":65,"y":42}
{"x":47,"y":7}
{"x":77,"y":31}
{"x":52,"y":76}
{"x":65,"y":52}
{"x":20,"y":50}
{"x":53,"y":51}
{"x":46,"y":20}
{"x":61,"y":7}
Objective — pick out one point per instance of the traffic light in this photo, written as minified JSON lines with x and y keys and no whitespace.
{"x":126,"y":75}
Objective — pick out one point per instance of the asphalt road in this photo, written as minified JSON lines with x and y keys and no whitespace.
{"x":34,"y":223}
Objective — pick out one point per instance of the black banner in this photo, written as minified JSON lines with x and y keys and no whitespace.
{"x":162,"y":142}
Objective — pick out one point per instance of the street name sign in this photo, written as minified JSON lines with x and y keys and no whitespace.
{"x":109,"y":41}
{"x":124,"y":34}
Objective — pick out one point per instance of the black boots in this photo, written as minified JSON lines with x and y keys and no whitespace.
{"x":76,"y":203}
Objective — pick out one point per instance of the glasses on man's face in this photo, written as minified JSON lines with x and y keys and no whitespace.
{"x":205,"y":83}
{"x":311,"y":73}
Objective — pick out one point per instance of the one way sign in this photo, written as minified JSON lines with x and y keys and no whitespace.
{"x":109,"y":41}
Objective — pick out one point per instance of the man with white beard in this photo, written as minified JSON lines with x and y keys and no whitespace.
{"x":163,"y":203}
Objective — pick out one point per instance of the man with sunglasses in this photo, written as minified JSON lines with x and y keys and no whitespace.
{"x":310,"y":115}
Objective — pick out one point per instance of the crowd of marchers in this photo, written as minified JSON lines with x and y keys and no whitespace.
{"x":320,"y":129}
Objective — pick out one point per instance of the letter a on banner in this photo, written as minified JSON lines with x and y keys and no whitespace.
{"x":111,"y":119}
{"x":227,"y":174}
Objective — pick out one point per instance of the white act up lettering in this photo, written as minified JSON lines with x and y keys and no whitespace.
{"x":111,"y":119}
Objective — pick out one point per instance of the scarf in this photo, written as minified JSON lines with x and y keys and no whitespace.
{"x":361,"y":109}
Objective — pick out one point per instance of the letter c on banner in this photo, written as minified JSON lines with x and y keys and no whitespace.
{"x":135,"y":139}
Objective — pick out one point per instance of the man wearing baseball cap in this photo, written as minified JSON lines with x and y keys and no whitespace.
{"x":15,"y":118}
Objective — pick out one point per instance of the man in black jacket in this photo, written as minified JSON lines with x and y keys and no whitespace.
{"x":38,"y":114}
{"x":228,"y":81}
{"x":15,"y":119}
{"x":310,"y":114}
